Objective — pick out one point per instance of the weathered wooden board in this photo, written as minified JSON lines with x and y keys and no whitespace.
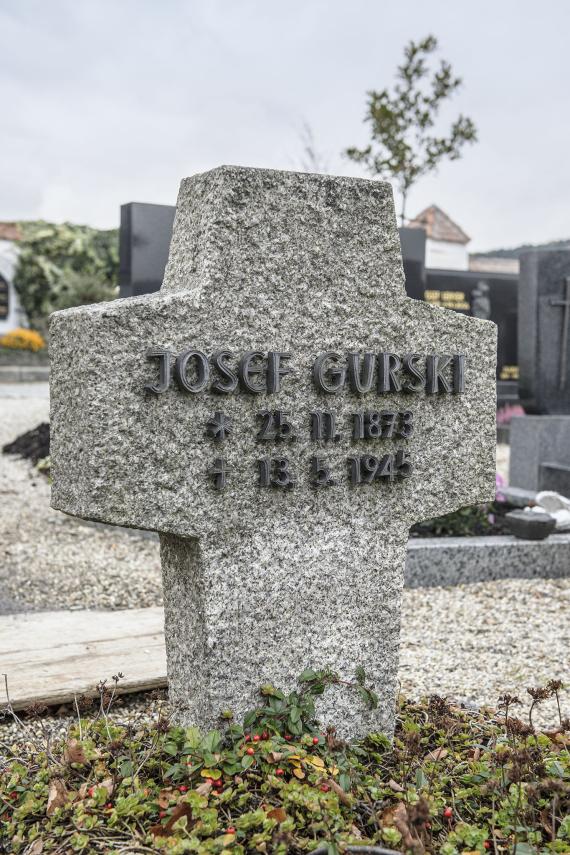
{"x":49,"y":657}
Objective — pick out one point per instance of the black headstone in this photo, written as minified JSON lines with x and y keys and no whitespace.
{"x":144,"y":241}
{"x":4,"y":299}
{"x":491,"y":296}
{"x":544,"y":331}
{"x":413,"y":243}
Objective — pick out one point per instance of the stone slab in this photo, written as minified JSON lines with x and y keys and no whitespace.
{"x":24,"y":373}
{"x":517,"y":496}
{"x":49,"y":657}
{"x":540,"y":449}
{"x":442,"y":561}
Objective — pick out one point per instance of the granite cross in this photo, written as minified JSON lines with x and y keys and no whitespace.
{"x":281,"y":413}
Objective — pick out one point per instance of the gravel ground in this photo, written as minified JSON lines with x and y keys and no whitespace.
{"x":51,"y":561}
{"x":471,"y":642}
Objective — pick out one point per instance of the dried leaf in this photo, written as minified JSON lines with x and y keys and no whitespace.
{"x":36,"y":848}
{"x":74,"y":753}
{"x":57,"y":795}
{"x":345,"y":798}
{"x":298,"y":772}
{"x":435,"y":755}
{"x":278,"y":814}
{"x":164,"y":797}
{"x":316,"y":762}
{"x":397,"y":788}
{"x":402,"y":823}
{"x":275,"y":756}
{"x":109,"y":785}
{"x":204,"y":789}
{"x":83,"y":791}
{"x":182,"y":809}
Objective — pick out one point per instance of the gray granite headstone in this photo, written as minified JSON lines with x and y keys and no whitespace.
{"x":280,"y":550}
{"x":540,"y":442}
{"x":544,"y":331}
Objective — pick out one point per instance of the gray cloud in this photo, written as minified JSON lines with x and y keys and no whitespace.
{"x":108,"y":101}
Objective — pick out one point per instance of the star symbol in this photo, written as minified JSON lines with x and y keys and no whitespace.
{"x":219,"y":427}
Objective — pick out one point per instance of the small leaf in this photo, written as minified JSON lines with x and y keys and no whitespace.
{"x":246,"y":761}
{"x":211,"y":773}
{"x":298,"y":772}
{"x":295,"y":714}
{"x":307,"y":676}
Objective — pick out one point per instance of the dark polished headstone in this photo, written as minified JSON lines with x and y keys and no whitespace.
{"x":544,"y":327}
{"x":144,"y":241}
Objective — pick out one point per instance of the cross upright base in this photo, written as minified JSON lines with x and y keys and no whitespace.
{"x":261,"y":608}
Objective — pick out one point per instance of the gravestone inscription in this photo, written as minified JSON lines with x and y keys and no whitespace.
{"x":281,"y":412}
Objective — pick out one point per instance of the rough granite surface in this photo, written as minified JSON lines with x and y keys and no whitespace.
{"x":261,"y":583}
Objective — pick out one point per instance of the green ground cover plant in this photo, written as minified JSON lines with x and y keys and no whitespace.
{"x":454,"y":781}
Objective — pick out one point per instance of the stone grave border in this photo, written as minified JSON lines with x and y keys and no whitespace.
{"x":433,"y":562}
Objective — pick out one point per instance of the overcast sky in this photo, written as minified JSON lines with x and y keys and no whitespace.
{"x":112,"y":101}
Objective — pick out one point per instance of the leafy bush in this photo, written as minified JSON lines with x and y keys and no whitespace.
{"x":22,"y":339}
{"x":50,"y":254}
{"x":453,"y":782}
{"x":80,"y":289}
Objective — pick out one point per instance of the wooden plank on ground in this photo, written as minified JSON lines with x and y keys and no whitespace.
{"x":49,"y":657}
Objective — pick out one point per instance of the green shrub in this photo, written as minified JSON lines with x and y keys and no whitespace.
{"x":453,"y":782}
{"x":49,"y":257}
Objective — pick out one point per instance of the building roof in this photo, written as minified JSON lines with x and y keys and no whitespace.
{"x":10,"y":231}
{"x":439,"y":226}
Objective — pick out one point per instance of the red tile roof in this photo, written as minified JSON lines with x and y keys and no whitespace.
{"x":10,"y":231}
{"x":439,"y":226}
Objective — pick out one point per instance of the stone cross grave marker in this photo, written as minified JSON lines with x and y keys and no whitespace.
{"x":281,"y":413}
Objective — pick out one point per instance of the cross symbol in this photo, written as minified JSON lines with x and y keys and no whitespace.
{"x":284,"y":293}
{"x":219,"y":472}
{"x":565,"y":324}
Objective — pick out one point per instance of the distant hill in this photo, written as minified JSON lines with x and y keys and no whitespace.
{"x":517,"y":250}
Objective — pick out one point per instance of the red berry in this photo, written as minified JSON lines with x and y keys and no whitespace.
{"x":279,"y":771}
{"x":487,"y":845}
{"x":257,"y":737}
{"x":210,"y":781}
{"x":315,"y":740}
{"x":109,"y":806}
{"x":265,"y":735}
{"x":162,"y":814}
{"x":288,"y":737}
{"x":183,"y":789}
{"x":218,"y":783}
{"x":324,"y":788}
{"x":230,"y":830}
{"x":14,"y":795}
{"x":250,"y":751}
{"x":247,"y":737}
{"x":448,"y":812}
